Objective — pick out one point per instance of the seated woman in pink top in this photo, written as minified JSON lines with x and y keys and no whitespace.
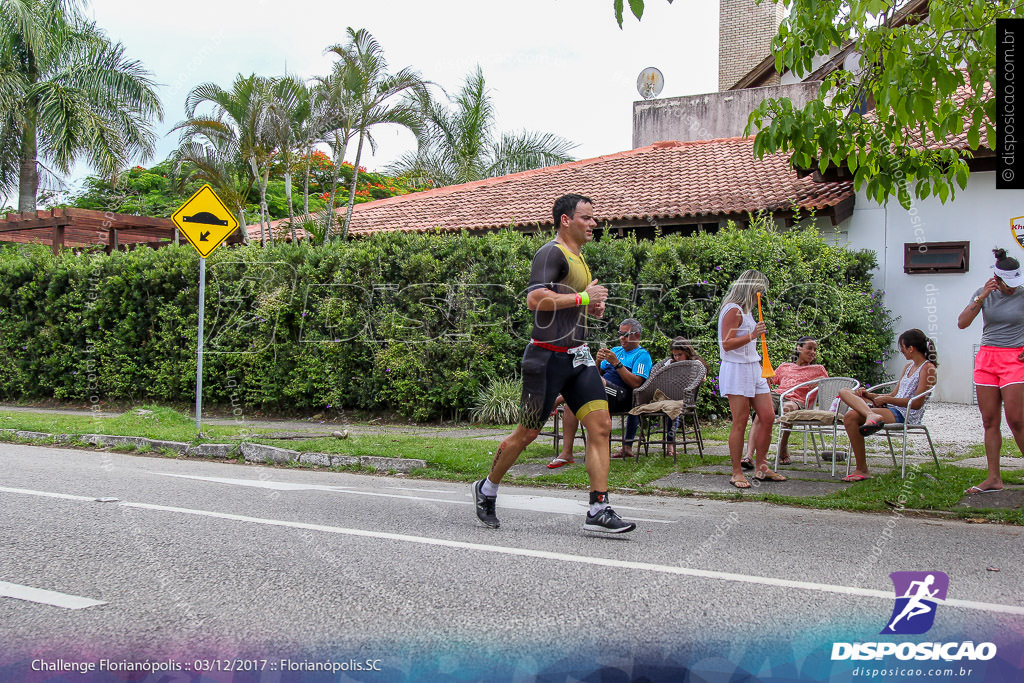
{"x":799,"y":369}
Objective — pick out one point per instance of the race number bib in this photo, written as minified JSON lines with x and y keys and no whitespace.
{"x":581,"y":356}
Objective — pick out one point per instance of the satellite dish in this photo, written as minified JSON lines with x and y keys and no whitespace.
{"x":649,"y":83}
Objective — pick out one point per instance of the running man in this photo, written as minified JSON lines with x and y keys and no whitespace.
{"x":916,"y":591}
{"x":557,"y":360}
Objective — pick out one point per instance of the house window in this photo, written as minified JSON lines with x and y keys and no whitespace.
{"x":936,"y":257}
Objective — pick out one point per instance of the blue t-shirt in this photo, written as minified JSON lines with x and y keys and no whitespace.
{"x":637,"y":361}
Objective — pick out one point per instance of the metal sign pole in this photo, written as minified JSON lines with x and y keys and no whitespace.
{"x":199,"y":346}
{"x":205,"y":222}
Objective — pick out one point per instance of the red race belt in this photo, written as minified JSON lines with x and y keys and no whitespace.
{"x":550,"y":347}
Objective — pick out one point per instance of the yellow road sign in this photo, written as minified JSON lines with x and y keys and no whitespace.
{"x":205,"y":221}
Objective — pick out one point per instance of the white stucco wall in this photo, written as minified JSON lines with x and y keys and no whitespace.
{"x":981,"y":215}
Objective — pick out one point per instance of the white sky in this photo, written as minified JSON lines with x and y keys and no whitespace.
{"x":559,"y":66}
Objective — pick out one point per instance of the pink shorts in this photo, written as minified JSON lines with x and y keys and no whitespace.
{"x":995,"y":366}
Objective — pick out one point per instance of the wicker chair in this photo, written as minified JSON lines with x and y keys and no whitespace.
{"x":556,"y":431}
{"x":680,"y":384}
{"x":679,"y":381}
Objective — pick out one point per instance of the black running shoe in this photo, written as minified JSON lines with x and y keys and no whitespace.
{"x":485,"y":506}
{"x":607,"y":522}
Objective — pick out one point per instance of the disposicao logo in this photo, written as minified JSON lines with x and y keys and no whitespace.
{"x":917,"y":594}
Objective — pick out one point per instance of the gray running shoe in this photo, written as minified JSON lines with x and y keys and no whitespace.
{"x":607,"y":522}
{"x":485,"y":506}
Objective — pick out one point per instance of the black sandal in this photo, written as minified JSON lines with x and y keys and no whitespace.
{"x":747,"y":464}
{"x":869,"y":428}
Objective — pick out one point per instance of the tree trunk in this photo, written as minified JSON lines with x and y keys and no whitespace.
{"x":288,"y":194}
{"x":305,"y":187}
{"x":338,"y":159}
{"x":241,"y":226}
{"x":263,"y":228}
{"x":352,"y":188}
{"x":264,"y":181}
{"x":256,"y":175}
{"x":28,"y":171}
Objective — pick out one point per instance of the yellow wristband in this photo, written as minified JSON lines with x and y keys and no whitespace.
{"x":584,"y":299}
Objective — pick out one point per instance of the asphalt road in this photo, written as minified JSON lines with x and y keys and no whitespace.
{"x":199,"y":561}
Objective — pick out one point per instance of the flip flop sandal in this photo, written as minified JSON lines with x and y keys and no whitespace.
{"x":560,"y":462}
{"x":977,"y":489}
{"x":747,"y":464}
{"x":769,"y":476}
{"x":850,"y":478}
{"x":869,"y":428}
{"x":740,"y":483}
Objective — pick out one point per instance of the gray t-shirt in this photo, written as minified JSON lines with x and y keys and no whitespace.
{"x":1004,"y":318}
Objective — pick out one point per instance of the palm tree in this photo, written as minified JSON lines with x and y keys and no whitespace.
{"x":364,"y":73}
{"x":288,"y":112}
{"x":216,"y":162}
{"x":237,"y":129}
{"x":311,"y":132}
{"x":67,"y":92}
{"x":335,"y":108}
{"x":460,"y":145}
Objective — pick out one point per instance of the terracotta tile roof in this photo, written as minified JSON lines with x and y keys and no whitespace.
{"x":957,"y":142}
{"x":668,"y":182}
{"x":914,"y":141}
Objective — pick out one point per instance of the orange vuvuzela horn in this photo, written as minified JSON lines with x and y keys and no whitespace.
{"x":766,"y":365}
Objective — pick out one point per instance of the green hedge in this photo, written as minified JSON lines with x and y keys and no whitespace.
{"x":413,"y":323}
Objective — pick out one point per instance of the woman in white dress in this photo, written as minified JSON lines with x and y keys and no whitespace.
{"x":740,"y":376}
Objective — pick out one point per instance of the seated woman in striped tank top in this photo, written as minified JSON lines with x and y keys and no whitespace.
{"x":870,"y":412}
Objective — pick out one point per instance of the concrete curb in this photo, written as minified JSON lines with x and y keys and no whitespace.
{"x":252,"y":452}
{"x":386,"y":464}
{"x":107,"y":440}
{"x":328,"y":459}
{"x":213,"y":450}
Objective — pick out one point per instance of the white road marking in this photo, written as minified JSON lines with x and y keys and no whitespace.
{"x":66,"y":496}
{"x":257,"y":483}
{"x":410,"y":488}
{"x":19,"y":592}
{"x":580,"y":559}
{"x":548,"y":555}
{"x":506,"y":501}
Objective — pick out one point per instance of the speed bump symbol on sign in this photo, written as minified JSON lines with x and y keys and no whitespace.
{"x":205,"y":221}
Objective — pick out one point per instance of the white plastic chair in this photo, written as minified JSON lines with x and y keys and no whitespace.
{"x":826,"y":391}
{"x":902,"y":429}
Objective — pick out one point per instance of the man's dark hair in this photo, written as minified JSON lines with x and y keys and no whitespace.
{"x":566,"y":206}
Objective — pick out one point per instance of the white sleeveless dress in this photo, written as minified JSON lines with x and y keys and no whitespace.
{"x":740,"y":372}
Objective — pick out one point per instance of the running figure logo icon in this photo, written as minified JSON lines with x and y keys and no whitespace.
{"x":916,"y":596}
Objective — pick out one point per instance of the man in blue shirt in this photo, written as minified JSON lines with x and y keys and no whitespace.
{"x":624,"y":368}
